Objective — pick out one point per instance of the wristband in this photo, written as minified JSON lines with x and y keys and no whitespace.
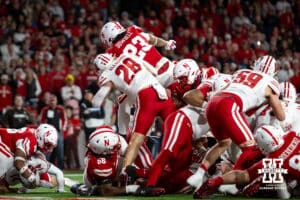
{"x":20,"y":158}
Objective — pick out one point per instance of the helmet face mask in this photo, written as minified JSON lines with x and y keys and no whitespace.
{"x":109,"y":32}
{"x":269,"y":138}
{"x":46,"y":136}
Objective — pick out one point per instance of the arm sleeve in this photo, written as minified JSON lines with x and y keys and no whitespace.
{"x":59,"y":176}
{"x":100,"y":96}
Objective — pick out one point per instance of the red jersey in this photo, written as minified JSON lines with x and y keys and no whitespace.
{"x":99,"y":169}
{"x":23,"y":138}
{"x":289,"y":152}
{"x":6,"y":95}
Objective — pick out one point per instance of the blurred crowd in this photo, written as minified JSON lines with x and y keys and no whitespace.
{"x":47,"y":49}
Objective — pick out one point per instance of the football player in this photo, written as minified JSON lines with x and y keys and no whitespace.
{"x":17,"y":145}
{"x":225,"y":114}
{"x":273,"y":143}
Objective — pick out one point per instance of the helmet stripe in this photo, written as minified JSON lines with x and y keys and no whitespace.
{"x":271,"y":135}
{"x":99,"y":131}
{"x":266,"y":65}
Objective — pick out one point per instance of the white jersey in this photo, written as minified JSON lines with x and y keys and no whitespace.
{"x":129,"y":75}
{"x":36,"y":163}
{"x":197,"y":118}
{"x":291,"y":122}
{"x":250,"y":86}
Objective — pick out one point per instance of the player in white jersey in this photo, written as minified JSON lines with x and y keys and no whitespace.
{"x":292,"y":111}
{"x":128,"y":74}
{"x":135,"y":41}
{"x":48,"y":174}
{"x":225,"y":114}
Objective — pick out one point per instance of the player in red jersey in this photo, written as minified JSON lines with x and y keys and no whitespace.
{"x":225,"y":113}
{"x":284,"y":149}
{"x":188,"y":77}
{"x":106,"y":150}
{"x":182,"y":128}
{"x":17,"y":145}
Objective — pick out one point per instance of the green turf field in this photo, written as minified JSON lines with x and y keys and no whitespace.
{"x":45,"y":193}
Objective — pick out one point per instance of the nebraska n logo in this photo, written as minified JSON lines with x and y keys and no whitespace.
{"x":272,"y":171}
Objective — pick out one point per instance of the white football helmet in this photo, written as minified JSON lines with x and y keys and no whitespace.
{"x":266,"y":64}
{"x":220,"y":82}
{"x":268,"y":138}
{"x":104,"y":140}
{"x":46,"y":136}
{"x":109,"y":32}
{"x":103,"y":61}
{"x":209,"y":72}
{"x":186,"y":69}
{"x":288,"y":91}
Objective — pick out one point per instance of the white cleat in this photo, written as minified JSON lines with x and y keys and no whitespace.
{"x":70,"y":182}
{"x":197,"y":179}
{"x":228,"y":189}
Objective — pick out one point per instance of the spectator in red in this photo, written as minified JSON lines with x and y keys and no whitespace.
{"x":153,"y":24}
{"x":71,"y":139}
{"x":286,"y":19}
{"x":5,"y":94}
{"x":57,"y":75}
{"x":233,"y":6}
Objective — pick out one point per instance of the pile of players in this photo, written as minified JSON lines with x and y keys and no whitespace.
{"x":218,"y":128}
{"x":225,"y":125}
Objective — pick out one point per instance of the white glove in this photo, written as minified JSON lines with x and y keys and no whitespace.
{"x":171,"y":45}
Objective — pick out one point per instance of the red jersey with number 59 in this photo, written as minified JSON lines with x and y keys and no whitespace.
{"x":250,"y":86}
{"x":289,"y":152}
{"x":128,"y":75}
{"x":23,"y":138}
{"x":100,"y":168}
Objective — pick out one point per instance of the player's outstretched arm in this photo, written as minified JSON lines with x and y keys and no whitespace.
{"x":159,"y":42}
